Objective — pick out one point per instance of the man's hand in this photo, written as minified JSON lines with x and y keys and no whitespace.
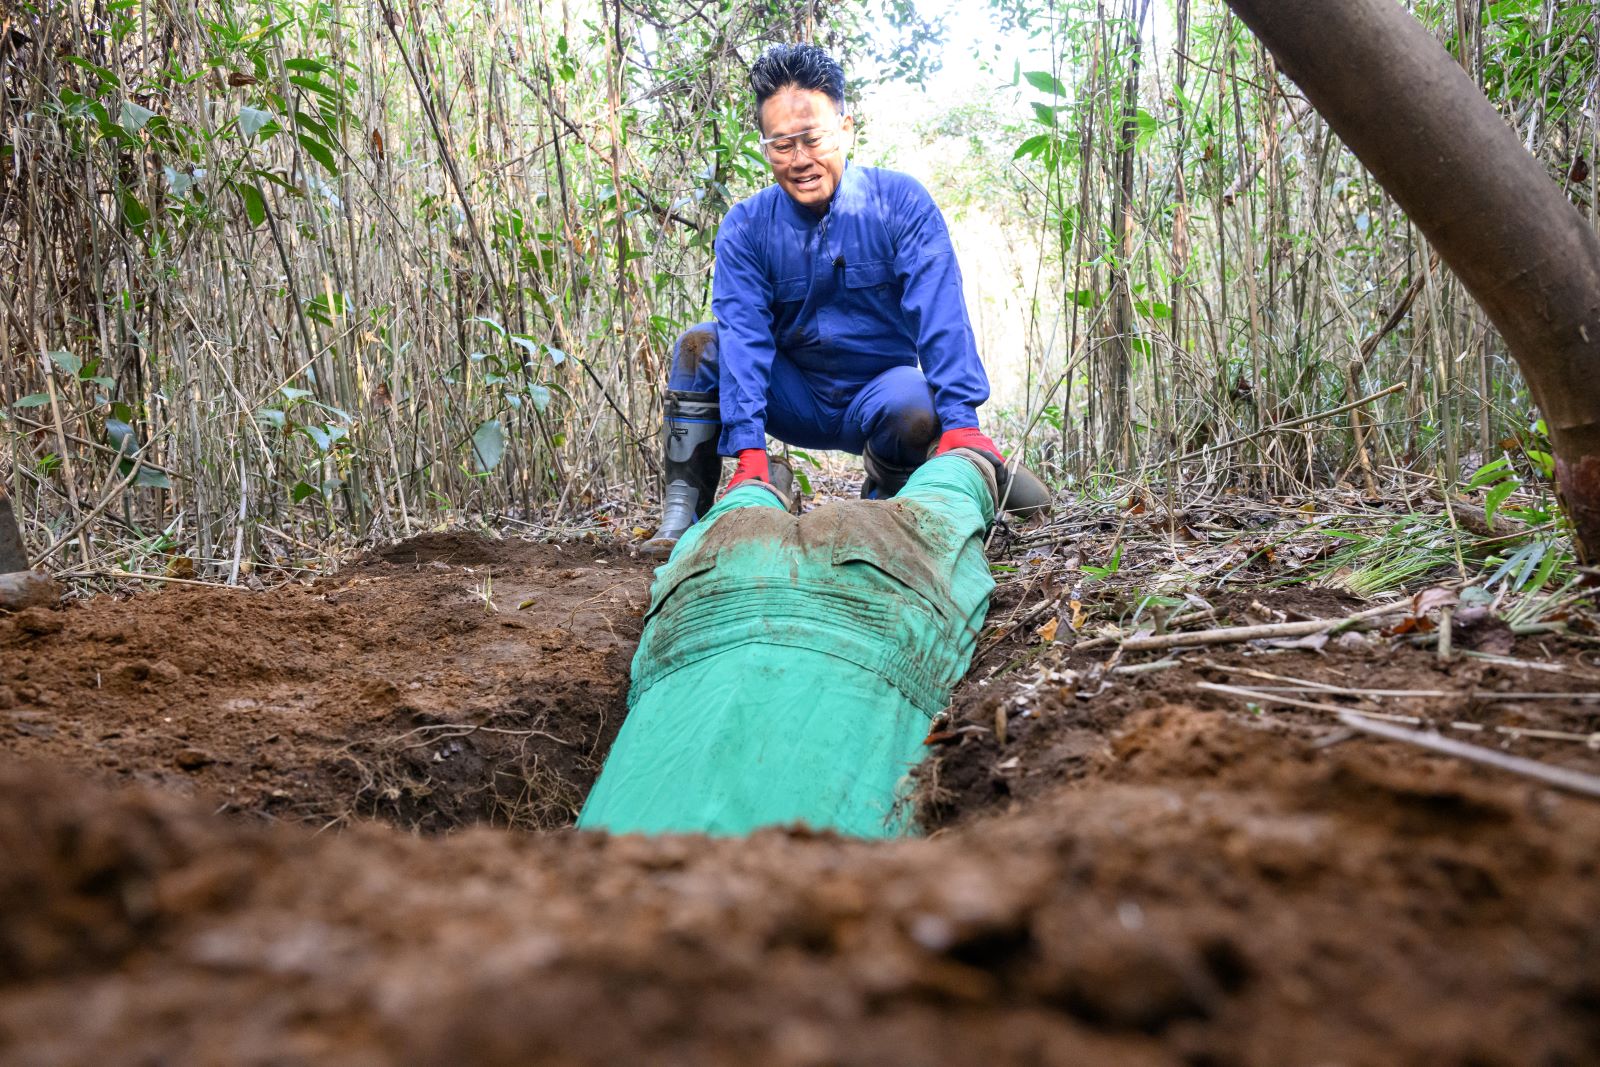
{"x":971,"y":437}
{"x":752,"y":467}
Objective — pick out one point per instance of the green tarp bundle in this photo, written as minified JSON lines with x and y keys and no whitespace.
{"x":790,"y":666}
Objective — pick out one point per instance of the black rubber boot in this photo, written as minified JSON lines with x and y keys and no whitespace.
{"x":781,"y":477}
{"x":692,"y":424}
{"x":884,"y":479}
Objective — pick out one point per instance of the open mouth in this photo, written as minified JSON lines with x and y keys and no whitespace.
{"x":808,"y":183}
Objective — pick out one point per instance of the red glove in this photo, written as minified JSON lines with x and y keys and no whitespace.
{"x":970,"y":437}
{"x":752,"y":467}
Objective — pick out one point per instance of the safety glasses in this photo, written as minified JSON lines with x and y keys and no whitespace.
{"x":814,"y":142}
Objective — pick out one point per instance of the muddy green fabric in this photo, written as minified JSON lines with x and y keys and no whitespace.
{"x":789,"y":666}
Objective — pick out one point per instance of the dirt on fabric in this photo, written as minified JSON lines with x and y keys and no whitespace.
{"x":1122,"y":867}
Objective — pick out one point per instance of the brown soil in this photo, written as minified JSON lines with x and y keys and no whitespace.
{"x":1139,"y":872}
{"x":392,"y":690}
{"x":1063,"y":712}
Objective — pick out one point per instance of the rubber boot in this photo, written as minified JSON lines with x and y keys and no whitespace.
{"x":781,"y":477}
{"x":692,"y":424}
{"x":1019,"y":491}
{"x":884,"y":479}
{"x":1022,"y":492}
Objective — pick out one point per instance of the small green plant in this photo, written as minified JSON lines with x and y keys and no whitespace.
{"x":1113,"y":565}
{"x":1498,"y":480}
{"x":1531,"y":566}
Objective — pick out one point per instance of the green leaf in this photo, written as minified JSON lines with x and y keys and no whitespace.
{"x":319,"y":152}
{"x":121,"y":436}
{"x":539,"y":395}
{"x":319,"y":436}
{"x":1046,"y":115}
{"x":273,"y":417}
{"x":133,"y":117}
{"x":314,"y":127}
{"x":151,"y":478}
{"x":315,"y":85}
{"x":557,"y":356}
{"x":1489,"y":473}
{"x":1147,"y":127}
{"x":1113,"y":565}
{"x":1045,"y":82}
{"x":488,"y":446}
{"x":302,"y":490}
{"x":277,"y":179}
{"x":291,"y":394}
{"x":1032,"y":146}
{"x":133,"y":212}
{"x":252,"y":120}
{"x":310,"y":66}
{"x":1496,"y":497}
{"x":67,"y":362}
{"x":32,"y":400}
{"x":255,"y":204}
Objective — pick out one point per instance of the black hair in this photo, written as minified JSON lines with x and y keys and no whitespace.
{"x":806,"y":66}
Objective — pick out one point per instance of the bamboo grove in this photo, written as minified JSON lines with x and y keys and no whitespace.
{"x":281,"y":276}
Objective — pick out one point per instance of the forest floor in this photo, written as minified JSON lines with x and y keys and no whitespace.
{"x":222,"y":816}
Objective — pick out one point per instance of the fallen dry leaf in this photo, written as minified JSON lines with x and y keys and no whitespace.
{"x":1411,"y":624}
{"x":1433,"y":599}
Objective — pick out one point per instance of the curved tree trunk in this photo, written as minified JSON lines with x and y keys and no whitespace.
{"x":1423,"y":129}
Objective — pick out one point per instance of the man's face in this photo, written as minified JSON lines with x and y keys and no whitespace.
{"x":808,"y":178}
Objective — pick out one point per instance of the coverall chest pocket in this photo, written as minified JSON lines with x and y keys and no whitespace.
{"x":789,"y":298}
{"x":877,"y":275}
{"x":790,"y":290}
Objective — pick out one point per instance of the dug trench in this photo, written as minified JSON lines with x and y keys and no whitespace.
{"x":446,"y":681}
{"x":1120,"y":868}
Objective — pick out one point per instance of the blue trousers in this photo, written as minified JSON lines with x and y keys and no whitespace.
{"x":892,"y":413}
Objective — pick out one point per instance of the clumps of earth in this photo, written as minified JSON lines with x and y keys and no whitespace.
{"x":330,"y":824}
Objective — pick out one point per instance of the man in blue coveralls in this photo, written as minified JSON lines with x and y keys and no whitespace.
{"x":840,"y":320}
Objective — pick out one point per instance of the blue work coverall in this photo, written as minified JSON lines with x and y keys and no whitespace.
{"x":839,"y":331}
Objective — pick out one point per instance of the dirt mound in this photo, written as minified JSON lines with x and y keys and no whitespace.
{"x":1131,"y":868}
{"x":1359,"y":905}
{"x":448,"y":680}
{"x":1019,"y":732}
